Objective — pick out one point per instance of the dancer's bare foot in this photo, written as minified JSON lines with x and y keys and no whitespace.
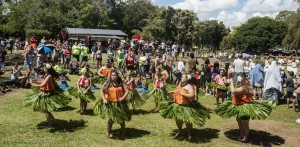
{"x":177,"y":134}
{"x":110,"y":135}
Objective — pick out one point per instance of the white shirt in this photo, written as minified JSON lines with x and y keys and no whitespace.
{"x":180,"y":66}
{"x":239,"y":65}
{"x":174,"y":47}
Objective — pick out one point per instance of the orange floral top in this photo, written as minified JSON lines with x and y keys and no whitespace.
{"x":181,"y":100}
{"x":240,"y":99}
{"x":106,"y":72}
{"x":114,"y":93}
{"x":49,"y":86}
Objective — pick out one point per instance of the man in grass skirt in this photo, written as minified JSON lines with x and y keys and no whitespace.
{"x":113,"y":104}
{"x":243,"y":107}
{"x":185,"y":109}
{"x":48,"y":97}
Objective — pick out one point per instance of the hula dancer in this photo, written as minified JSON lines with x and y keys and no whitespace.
{"x":83,"y":90}
{"x":185,"y":109}
{"x":159,"y":92}
{"x":221,"y":88}
{"x":113,"y":104}
{"x":48,"y":97}
{"x":104,"y":73}
{"x":243,"y":107}
{"x":133,"y":98}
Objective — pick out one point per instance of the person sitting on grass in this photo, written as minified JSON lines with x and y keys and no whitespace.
{"x":16,"y":76}
{"x":2,"y":68}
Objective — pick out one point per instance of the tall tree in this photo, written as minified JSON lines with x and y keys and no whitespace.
{"x":284,"y":15}
{"x":260,"y":33}
{"x":292,"y":38}
{"x":209,"y":34}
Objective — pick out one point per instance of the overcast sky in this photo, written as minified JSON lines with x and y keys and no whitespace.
{"x":231,"y":12}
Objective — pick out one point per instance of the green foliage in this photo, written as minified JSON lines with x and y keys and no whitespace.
{"x":195,"y":113}
{"x":254,"y":110}
{"x":55,"y":15}
{"x":259,"y":33}
{"x":284,"y":15}
{"x":292,"y":38}
{"x":117,"y":112}
{"x":209,"y":33}
{"x":159,"y":94}
{"x":134,"y":99}
{"x":38,"y":33}
{"x":46,"y":101}
{"x":85,"y":97}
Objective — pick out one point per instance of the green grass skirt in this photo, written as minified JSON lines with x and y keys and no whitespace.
{"x":194,"y":113}
{"x":85,"y":97}
{"x":118,"y":112}
{"x":98,"y":80}
{"x":159,"y":94}
{"x":211,"y":84}
{"x":134,"y":99}
{"x":254,"y":110}
{"x":46,"y":100}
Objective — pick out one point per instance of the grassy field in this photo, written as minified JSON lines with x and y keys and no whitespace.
{"x":20,"y":126}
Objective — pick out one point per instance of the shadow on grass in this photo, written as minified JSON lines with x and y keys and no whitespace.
{"x":259,"y":138}
{"x":63,"y":125}
{"x":131,"y":133}
{"x":67,"y":108}
{"x":89,"y":112}
{"x":199,"y":135}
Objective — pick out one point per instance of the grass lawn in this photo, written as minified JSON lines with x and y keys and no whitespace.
{"x":20,"y":126}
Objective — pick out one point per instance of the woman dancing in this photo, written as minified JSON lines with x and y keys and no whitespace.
{"x":185,"y":109}
{"x":244,"y":107}
{"x":113,"y":105}
{"x":48,"y":97}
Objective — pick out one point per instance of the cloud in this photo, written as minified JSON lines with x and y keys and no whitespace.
{"x":235,"y":12}
{"x":231,"y":18}
{"x":205,"y":7}
{"x":268,"y":5}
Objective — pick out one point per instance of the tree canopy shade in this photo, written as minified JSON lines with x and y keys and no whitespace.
{"x":259,"y":33}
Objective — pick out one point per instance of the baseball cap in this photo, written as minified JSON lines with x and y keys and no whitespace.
{"x":297,"y":80}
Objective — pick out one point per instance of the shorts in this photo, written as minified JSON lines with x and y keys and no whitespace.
{"x":93,"y":54}
{"x":111,"y":60}
{"x":84,"y":58}
{"x":27,"y":66}
{"x":289,"y":95}
{"x":130,"y":67}
{"x":298,"y":102}
{"x":67,"y":60}
{"x":99,"y":59}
